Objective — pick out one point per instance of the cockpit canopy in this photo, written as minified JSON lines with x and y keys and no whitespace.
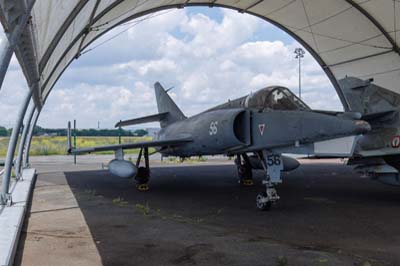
{"x":275,"y":98}
{"x":269,"y":98}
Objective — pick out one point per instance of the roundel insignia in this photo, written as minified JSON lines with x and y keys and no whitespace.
{"x":395,"y":142}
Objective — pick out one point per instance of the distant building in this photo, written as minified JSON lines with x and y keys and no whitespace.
{"x":49,"y":134}
{"x":152,"y":131}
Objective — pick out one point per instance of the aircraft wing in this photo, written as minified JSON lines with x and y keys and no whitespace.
{"x":133,"y":145}
{"x":378,"y":115}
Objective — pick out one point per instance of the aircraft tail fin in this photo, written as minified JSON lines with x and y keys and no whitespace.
{"x":367,"y":98}
{"x":166,"y":105}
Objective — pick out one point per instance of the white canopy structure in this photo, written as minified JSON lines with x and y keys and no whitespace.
{"x":347,"y":37}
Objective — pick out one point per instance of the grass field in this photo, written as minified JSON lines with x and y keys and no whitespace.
{"x":56,"y":145}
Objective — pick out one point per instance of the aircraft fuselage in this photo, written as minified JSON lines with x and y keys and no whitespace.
{"x":240,"y":130}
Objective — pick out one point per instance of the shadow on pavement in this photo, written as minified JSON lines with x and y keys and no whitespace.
{"x":193,"y":214}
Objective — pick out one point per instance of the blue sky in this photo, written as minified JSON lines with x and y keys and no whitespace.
{"x":209,"y":55}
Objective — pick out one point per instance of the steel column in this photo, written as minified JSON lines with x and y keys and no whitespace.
{"x":5,"y":58}
{"x":29,"y":138}
{"x":22,"y":143}
{"x":12,"y":41}
{"x":4,"y":197}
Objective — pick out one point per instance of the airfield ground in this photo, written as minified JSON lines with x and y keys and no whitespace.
{"x":199,"y":215}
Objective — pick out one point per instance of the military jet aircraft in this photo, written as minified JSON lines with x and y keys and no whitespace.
{"x":256,"y":128}
{"x":377,"y":153}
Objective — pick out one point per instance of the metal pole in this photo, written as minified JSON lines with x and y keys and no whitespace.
{"x":11,"y":42}
{"x":74,"y":140}
{"x":146,"y":158}
{"x":300,"y":77}
{"x":29,"y":138}
{"x":18,"y":163}
{"x":4,"y":196}
{"x":119,"y":134}
{"x":299,"y":54}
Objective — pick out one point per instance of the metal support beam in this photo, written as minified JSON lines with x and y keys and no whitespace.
{"x":22,"y":143}
{"x":212,"y":2}
{"x":60,"y":33}
{"x":4,"y":196}
{"x":5,"y":57}
{"x":376,"y":24}
{"x":88,"y":27}
{"x":12,"y":40}
{"x":359,"y":58}
{"x":29,"y":138}
{"x":47,"y":86}
{"x":251,"y":6}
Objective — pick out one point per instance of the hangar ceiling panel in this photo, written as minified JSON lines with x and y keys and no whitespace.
{"x":384,"y":69}
{"x":50,"y":21}
{"x":73,"y":32}
{"x":384,"y":12}
{"x":346,"y":37}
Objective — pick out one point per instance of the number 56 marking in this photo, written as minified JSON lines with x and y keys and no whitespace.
{"x":213,"y":128}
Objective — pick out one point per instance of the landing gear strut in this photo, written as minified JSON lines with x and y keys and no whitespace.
{"x":143,"y":176}
{"x":244,"y":170}
{"x":273,"y":167}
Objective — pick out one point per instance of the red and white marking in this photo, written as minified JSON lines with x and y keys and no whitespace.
{"x":395,"y":142}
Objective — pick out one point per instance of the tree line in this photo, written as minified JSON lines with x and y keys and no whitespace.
{"x":40,"y":131}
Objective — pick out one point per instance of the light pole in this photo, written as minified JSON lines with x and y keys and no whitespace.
{"x":299,"y":54}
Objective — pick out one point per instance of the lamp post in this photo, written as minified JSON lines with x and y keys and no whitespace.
{"x":299,"y":54}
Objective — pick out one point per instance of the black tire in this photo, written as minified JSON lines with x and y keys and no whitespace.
{"x":263,"y":206}
{"x":245,"y":172}
{"x":142,"y":176}
{"x":242,"y":171}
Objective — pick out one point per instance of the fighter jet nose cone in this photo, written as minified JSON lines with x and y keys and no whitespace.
{"x":362,"y":127}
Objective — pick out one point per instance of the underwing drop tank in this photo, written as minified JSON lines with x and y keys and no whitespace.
{"x":122,"y":168}
{"x":289,"y":163}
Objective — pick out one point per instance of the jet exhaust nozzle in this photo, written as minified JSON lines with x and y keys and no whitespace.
{"x":362,"y":127}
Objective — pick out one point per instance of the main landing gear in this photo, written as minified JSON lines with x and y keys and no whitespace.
{"x":143,"y":176}
{"x":273,"y":166}
{"x":245,"y":172}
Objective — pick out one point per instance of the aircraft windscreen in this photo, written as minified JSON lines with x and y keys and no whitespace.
{"x":278,"y":98}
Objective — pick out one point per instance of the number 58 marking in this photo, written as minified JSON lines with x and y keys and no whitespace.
{"x":273,"y":160}
{"x":213,"y":128}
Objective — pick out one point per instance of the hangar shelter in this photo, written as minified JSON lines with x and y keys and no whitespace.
{"x":346,"y":37}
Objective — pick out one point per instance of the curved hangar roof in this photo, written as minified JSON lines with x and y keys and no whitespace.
{"x":347,"y":37}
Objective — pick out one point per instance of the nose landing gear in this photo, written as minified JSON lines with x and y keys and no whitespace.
{"x":273,"y":167}
{"x":265,"y":199}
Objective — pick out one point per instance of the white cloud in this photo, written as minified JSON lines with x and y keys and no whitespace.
{"x":153,"y":67}
{"x":207,"y":60}
{"x":94,"y":103}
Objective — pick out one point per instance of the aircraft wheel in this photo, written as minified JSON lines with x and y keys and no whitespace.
{"x":142,"y":187}
{"x":247,"y":182}
{"x":262,"y":202}
{"x":242,"y":170}
{"x":142,"y":176}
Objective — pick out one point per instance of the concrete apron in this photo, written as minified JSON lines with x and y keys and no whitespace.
{"x":12,"y":217}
